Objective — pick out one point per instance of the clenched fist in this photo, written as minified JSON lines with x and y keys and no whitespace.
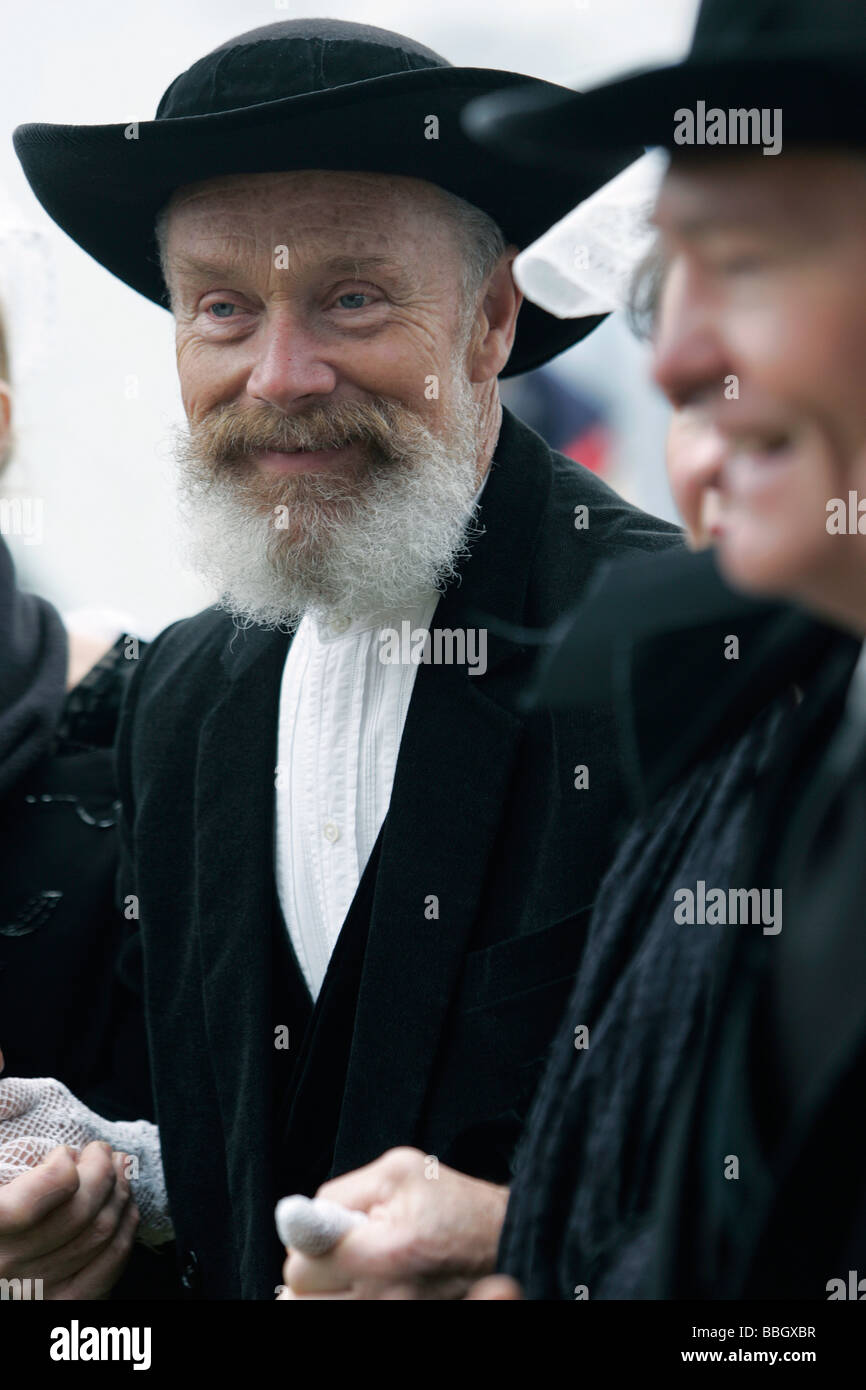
{"x":432,"y":1233}
{"x":70,"y":1222}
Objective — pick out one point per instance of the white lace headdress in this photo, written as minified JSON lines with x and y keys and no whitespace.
{"x":584,"y":264}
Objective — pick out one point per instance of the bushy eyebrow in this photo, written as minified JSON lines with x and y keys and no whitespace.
{"x":185,"y":264}
{"x":355,"y":266}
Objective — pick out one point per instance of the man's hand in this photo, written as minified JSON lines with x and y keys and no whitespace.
{"x":70,"y":1223}
{"x":40,"y":1114}
{"x":427,"y":1237}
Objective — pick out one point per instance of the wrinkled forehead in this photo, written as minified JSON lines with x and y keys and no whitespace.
{"x":348,"y":211}
{"x":799,"y":193}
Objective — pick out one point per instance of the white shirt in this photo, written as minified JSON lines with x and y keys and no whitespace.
{"x":341,"y":718}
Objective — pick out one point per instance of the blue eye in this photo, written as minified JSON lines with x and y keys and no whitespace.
{"x":217,"y":308}
{"x":357,"y":296}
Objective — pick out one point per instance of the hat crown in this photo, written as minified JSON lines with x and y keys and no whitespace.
{"x":291,"y":58}
{"x":728,"y":27}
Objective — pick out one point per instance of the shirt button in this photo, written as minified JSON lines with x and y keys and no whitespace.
{"x":340,"y":624}
{"x":331,"y":832}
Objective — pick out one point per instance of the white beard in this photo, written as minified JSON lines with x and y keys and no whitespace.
{"x":325,"y":545}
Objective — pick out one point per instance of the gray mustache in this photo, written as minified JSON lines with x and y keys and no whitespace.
{"x":230,"y":438}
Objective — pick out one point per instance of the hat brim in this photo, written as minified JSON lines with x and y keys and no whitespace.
{"x":104,"y":185}
{"x":820,"y":96}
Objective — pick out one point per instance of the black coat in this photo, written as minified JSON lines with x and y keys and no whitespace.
{"x":63,"y":1011}
{"x":584,"y":1206}
{"x":780,"y":1080}
{"x":581,"y":1208}
{"x":430,"y":1033}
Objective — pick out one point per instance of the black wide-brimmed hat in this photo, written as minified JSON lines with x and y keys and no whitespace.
{"x":805,"y":57}
{"x":303,"y":94}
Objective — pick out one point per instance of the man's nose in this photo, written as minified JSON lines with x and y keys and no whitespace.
{"x":689,"y":360}
{"x":289,"y":366}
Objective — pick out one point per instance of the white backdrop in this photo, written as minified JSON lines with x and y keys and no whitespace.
{"x":94,"y":412}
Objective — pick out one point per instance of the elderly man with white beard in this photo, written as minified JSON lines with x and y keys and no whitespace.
{"x":351,"y":884}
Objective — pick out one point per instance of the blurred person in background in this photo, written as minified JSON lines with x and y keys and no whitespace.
{"x":59,"y":703}
{"x":567,"y":416}
{"x":63,"y":1010}
{"x":694,"y":449}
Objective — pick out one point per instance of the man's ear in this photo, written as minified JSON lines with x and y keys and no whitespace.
{"x":5,"y":422}
{"x":493,"y":339}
